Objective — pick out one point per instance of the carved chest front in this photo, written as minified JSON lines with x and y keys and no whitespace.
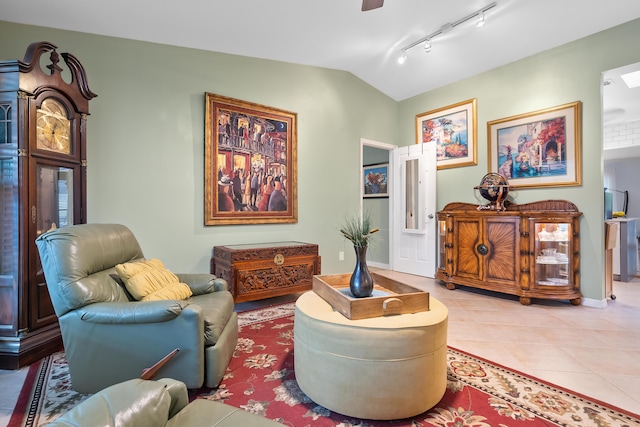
{"x":265,"y":270}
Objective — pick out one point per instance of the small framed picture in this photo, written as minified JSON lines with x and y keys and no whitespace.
{"x":375,"y":180}
{"x":454,"y":131}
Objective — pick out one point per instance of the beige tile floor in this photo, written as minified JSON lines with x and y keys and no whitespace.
{"x":592,"y":351}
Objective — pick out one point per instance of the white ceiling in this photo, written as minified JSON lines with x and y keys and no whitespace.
{"x":337,"y":34}
{"x":620,"y":104}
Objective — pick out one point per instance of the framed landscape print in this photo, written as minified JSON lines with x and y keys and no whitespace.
{"x":375,"y":180}
{"x":454,"y":131}
{"x":538,"y":149}
{"x":250,"y":163}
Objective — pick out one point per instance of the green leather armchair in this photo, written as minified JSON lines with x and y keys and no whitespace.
{"x":108,"y":336}
{"x":140,"y":403}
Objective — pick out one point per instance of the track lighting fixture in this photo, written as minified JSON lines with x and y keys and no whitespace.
{"x":402,"y":57}
{"x":480,"y":15}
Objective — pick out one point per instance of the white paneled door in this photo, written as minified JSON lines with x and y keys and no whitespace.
{"x":413,"y":205}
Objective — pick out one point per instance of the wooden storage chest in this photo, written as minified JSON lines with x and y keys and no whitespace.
{"x":263,"y":270}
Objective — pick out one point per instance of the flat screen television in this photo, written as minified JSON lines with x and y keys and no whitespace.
{"x":616,"y":203}
{"x":608,"y":204}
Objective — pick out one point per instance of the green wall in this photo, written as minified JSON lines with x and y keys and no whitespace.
{"x":146,"y":136}
{"x":572,"y":72}
{"x":146,"y":141}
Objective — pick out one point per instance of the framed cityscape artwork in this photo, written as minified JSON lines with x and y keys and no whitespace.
{"x":538,"y":149}
{"x":250,"y":163}
{"x":454,"y":131}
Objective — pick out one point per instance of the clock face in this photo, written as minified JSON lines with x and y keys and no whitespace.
{"x":53,"y":127}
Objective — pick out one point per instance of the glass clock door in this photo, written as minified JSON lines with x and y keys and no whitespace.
{"x":54,"y":207}
{"x":55,"y":198}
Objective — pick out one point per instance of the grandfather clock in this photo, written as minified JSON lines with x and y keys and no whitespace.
{"x":44,"y":105}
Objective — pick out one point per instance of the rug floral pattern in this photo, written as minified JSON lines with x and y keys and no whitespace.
{"x":261,"y":379}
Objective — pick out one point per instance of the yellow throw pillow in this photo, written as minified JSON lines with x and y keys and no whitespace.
{"x":150,"y":281}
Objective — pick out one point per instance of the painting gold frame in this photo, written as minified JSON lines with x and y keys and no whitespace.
{"x":250,"y":163}
{"x":542,"y":148}
{"x":454,"y":130}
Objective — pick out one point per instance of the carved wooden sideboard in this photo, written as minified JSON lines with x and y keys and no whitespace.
{"x":265,"y":270}
{"x":530,"y":250}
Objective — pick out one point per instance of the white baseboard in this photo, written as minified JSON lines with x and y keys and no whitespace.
{"x":595,"y":303}
{"x":378,"y":265}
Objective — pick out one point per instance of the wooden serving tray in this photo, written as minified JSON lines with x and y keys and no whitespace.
{"x":389,"y":297}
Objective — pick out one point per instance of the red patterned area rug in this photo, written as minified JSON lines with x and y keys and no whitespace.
{"x":261,"y":380}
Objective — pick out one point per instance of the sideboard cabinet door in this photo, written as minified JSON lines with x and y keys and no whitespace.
{"x":487,"y":250}
{"x":554,"y":258}
{"x":503,"y":260}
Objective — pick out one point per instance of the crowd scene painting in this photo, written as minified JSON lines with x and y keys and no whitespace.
{"x":252,"y":163}
{"x":256,"y":190}
{"x":535,"y":149}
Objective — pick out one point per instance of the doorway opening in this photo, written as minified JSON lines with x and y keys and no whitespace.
{"x":621,"y":152}
{"x":372,"y":153}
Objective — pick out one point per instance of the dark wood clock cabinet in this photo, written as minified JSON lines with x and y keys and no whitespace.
{"x":44,"y":103}
{"x":530,"y":250}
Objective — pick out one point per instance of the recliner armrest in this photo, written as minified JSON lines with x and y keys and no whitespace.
{"x":203,"y":283}
{"x":131,"y":403}
{"x":132,"y":312}
{"x":179,"y":395}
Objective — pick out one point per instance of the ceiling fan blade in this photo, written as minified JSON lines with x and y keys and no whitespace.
{"x":371,"y":4}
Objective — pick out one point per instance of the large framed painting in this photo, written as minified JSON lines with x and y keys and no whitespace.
{"x":375,"y":182}
{"x":538,"y":149}
{"x":250,"y":163}
{"x":454,"y":131}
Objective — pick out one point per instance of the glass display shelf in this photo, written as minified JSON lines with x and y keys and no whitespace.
{"x":552,"y":254}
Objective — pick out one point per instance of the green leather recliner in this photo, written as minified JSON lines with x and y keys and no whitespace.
{"x":140,"y":403}
{"x":108,"y":336}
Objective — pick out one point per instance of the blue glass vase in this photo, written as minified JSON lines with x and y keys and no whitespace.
{"x":361,"y":283}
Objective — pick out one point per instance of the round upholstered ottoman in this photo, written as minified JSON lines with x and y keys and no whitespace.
{"x":382,"y":368}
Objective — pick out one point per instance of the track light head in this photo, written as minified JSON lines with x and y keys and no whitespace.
{"x":479,"y":14}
